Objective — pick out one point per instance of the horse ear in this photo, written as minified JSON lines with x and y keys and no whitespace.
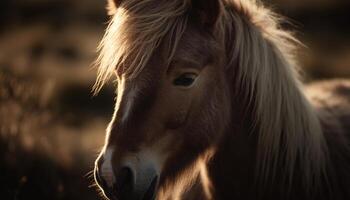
{"x":112,"y":6}
{"x":206,"y":12}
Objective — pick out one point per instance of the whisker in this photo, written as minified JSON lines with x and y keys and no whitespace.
{"x":93,"y":185}
{"x":89,"y":174}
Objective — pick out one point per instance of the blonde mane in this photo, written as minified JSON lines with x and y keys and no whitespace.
{"x":289,"y":131}
{"x":135,"y":31}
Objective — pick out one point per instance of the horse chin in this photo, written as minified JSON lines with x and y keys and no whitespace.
{"x":142,"y":192}
{"x":151,"y":192}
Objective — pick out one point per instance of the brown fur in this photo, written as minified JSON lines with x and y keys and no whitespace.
{"x":246,"y":129}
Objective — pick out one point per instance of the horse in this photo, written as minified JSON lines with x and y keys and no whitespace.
{"x":210,"y":105}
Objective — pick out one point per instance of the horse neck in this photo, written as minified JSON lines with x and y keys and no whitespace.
{"x":231,"y":169}
{"x":276,"y":136}
{"x":234,"y":171}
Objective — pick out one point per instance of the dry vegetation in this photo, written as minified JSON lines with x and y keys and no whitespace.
{"x":51,"y":127}
{"x":41,"y":155}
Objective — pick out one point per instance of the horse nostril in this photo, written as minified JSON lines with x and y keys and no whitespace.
{"x":124,"y":183}
{"x":150,"y":194}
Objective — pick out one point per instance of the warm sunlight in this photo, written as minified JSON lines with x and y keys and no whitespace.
{"x":174,"y":100}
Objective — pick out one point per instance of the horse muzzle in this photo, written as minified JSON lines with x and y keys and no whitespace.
{"x":128,"y":182}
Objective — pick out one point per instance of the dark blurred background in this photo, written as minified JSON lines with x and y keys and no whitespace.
{"x":51,"y":128}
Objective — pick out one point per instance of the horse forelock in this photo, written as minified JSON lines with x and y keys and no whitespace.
{"x":135,"y":32}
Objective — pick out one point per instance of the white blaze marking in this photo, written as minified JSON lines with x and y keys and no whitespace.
{"x":106,"y":168}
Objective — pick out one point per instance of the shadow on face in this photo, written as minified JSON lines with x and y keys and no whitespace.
{"x":166,"y":118}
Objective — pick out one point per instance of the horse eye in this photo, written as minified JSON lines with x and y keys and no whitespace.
{"x":185,"y":79}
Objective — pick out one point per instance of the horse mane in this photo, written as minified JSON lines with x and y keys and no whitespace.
{"x":289,"y":132}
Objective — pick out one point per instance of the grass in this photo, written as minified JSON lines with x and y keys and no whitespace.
{"x":47,"y":148}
